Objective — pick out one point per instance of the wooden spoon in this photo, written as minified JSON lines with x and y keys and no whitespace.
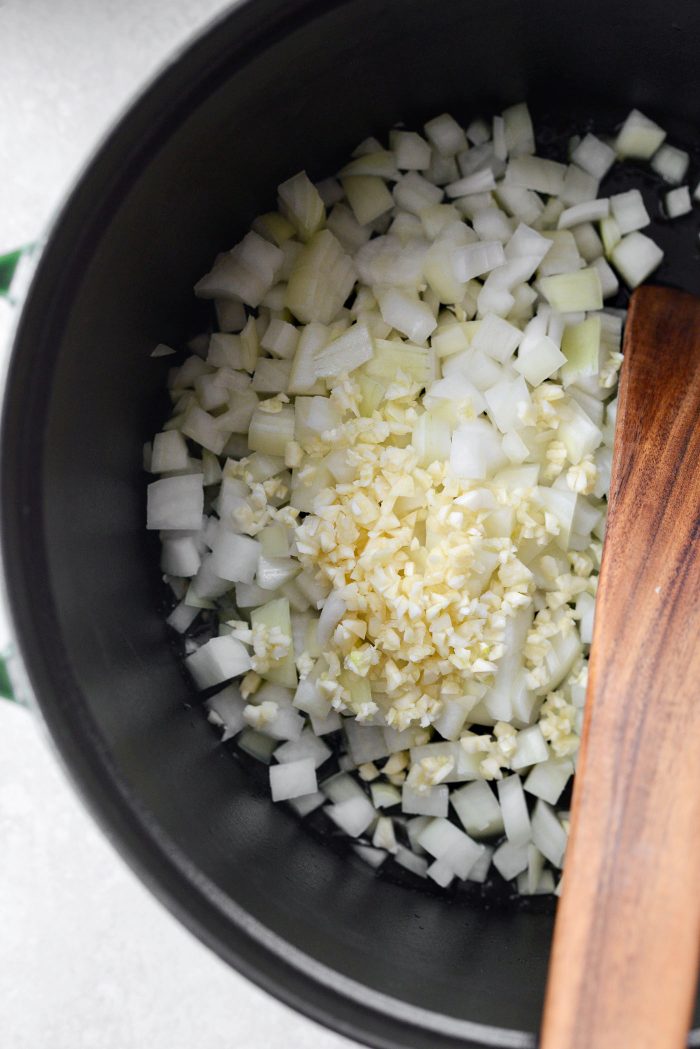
{"x":624,"y":962}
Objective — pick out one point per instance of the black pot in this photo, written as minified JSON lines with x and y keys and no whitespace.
{"x":274,"y":86}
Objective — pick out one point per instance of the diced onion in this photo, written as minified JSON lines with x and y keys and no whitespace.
{"x":639,"y":137}
{"x":446,"y":135}
{"x":509,"y":859}
{"x":548,"y":779}
{"x":594,"y":156}
{"x":516,"y":820}
{"x":569,"y":292}
{"x":536,"y":173}
{"x":635,"y":258}
{"x":629,"y":211}
{"x":677,"y":202}
{"x":548,"y":834}
{"x":217,"y":661}
{"x":176,"y":503}
{"x":671,"y":163}
{"x":380,"y":494}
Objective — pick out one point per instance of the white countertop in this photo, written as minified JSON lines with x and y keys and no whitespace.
{"x":88,"y":958}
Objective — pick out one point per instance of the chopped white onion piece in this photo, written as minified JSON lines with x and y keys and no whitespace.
{"x":384,"y":836}
{"x":346,"y":229}
{"x":519,"y":132}
{"x":368,"y":197}
{"x":478,"y":131}
{"x":563,"y":256}
{"x":353,"y":816}
{"x":411,"y":151}
{"x":366,"y":742}
{"x":414,"y":193}
{"x":270,"y":432}
{"x":639,"y":137}
{"x":442,"y":840}
{"x":473,"y":260}
{"x":544,"y":887}
{"x":292,"y":780}
{"x":321,"y":279}
{"x":590,"y":211}
{"x":384,"y":795}
{"x":548,"y":834}
{"x":610,"y":234}
{"x":514,"y":447}
{"x":405,"y":312}
{"x":306,"y":746}
{"x":527,"y":243}
{"x":516,"y":819}
{"x":608,"y":281}
{"x":382,"y":163}
{"x":341,"y":787}
{"x":536,"y":173}
{"x":594,"y":156}
{"x":225,"y":710}
{"x":441,"y":873}
{"x":580,"y":187}
{"x":433,"y":801}
{"x":506,"y":401}
{"x":635,"y":258}
{"x":478,"y":182}
{"x":629,"y":211}
{"x":493,"y":224}
{"x":273,"y":572}
{"x":476,"y":450}
{"x":522,"y":203}
{"x":182,"y":617}
{"x":530,"y":749}
{"x":256,"y":745}
{"x":307,"y":803}
{"x":480,"y":871}
{"x":671,"y":163}
{"x":234,"y":557}
{"x":204,"y":429}
{"x":539,"y":359}
{"x":163,"y":350}
{"x":588,"y":242}
{"x":497,"y":338}
{"x":446,"y":135}
{"x":581,"y":347}
{"x":280,"y":339}
{"x":509,"y":859}
{"x":416,"y":864}
{"x":169,"y":452}
{"x":570,"y":292}
{"x":478,"y":809}
{"x":176,"y":503}
{"x":677,"y":202}
{"x":330,"y":191}
{"x":217,"y":661}
{"x":245,"y":273}
{"x":301,"y":204}
{"x":548,"y":779}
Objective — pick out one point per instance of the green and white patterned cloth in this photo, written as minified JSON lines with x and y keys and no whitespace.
{"x":12,"y":286}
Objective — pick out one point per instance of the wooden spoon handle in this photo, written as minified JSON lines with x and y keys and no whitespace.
{"x":624,"y":962}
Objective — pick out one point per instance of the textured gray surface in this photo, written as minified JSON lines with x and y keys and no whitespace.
{"x":88,"y":959}
{"x":67,"y":68}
